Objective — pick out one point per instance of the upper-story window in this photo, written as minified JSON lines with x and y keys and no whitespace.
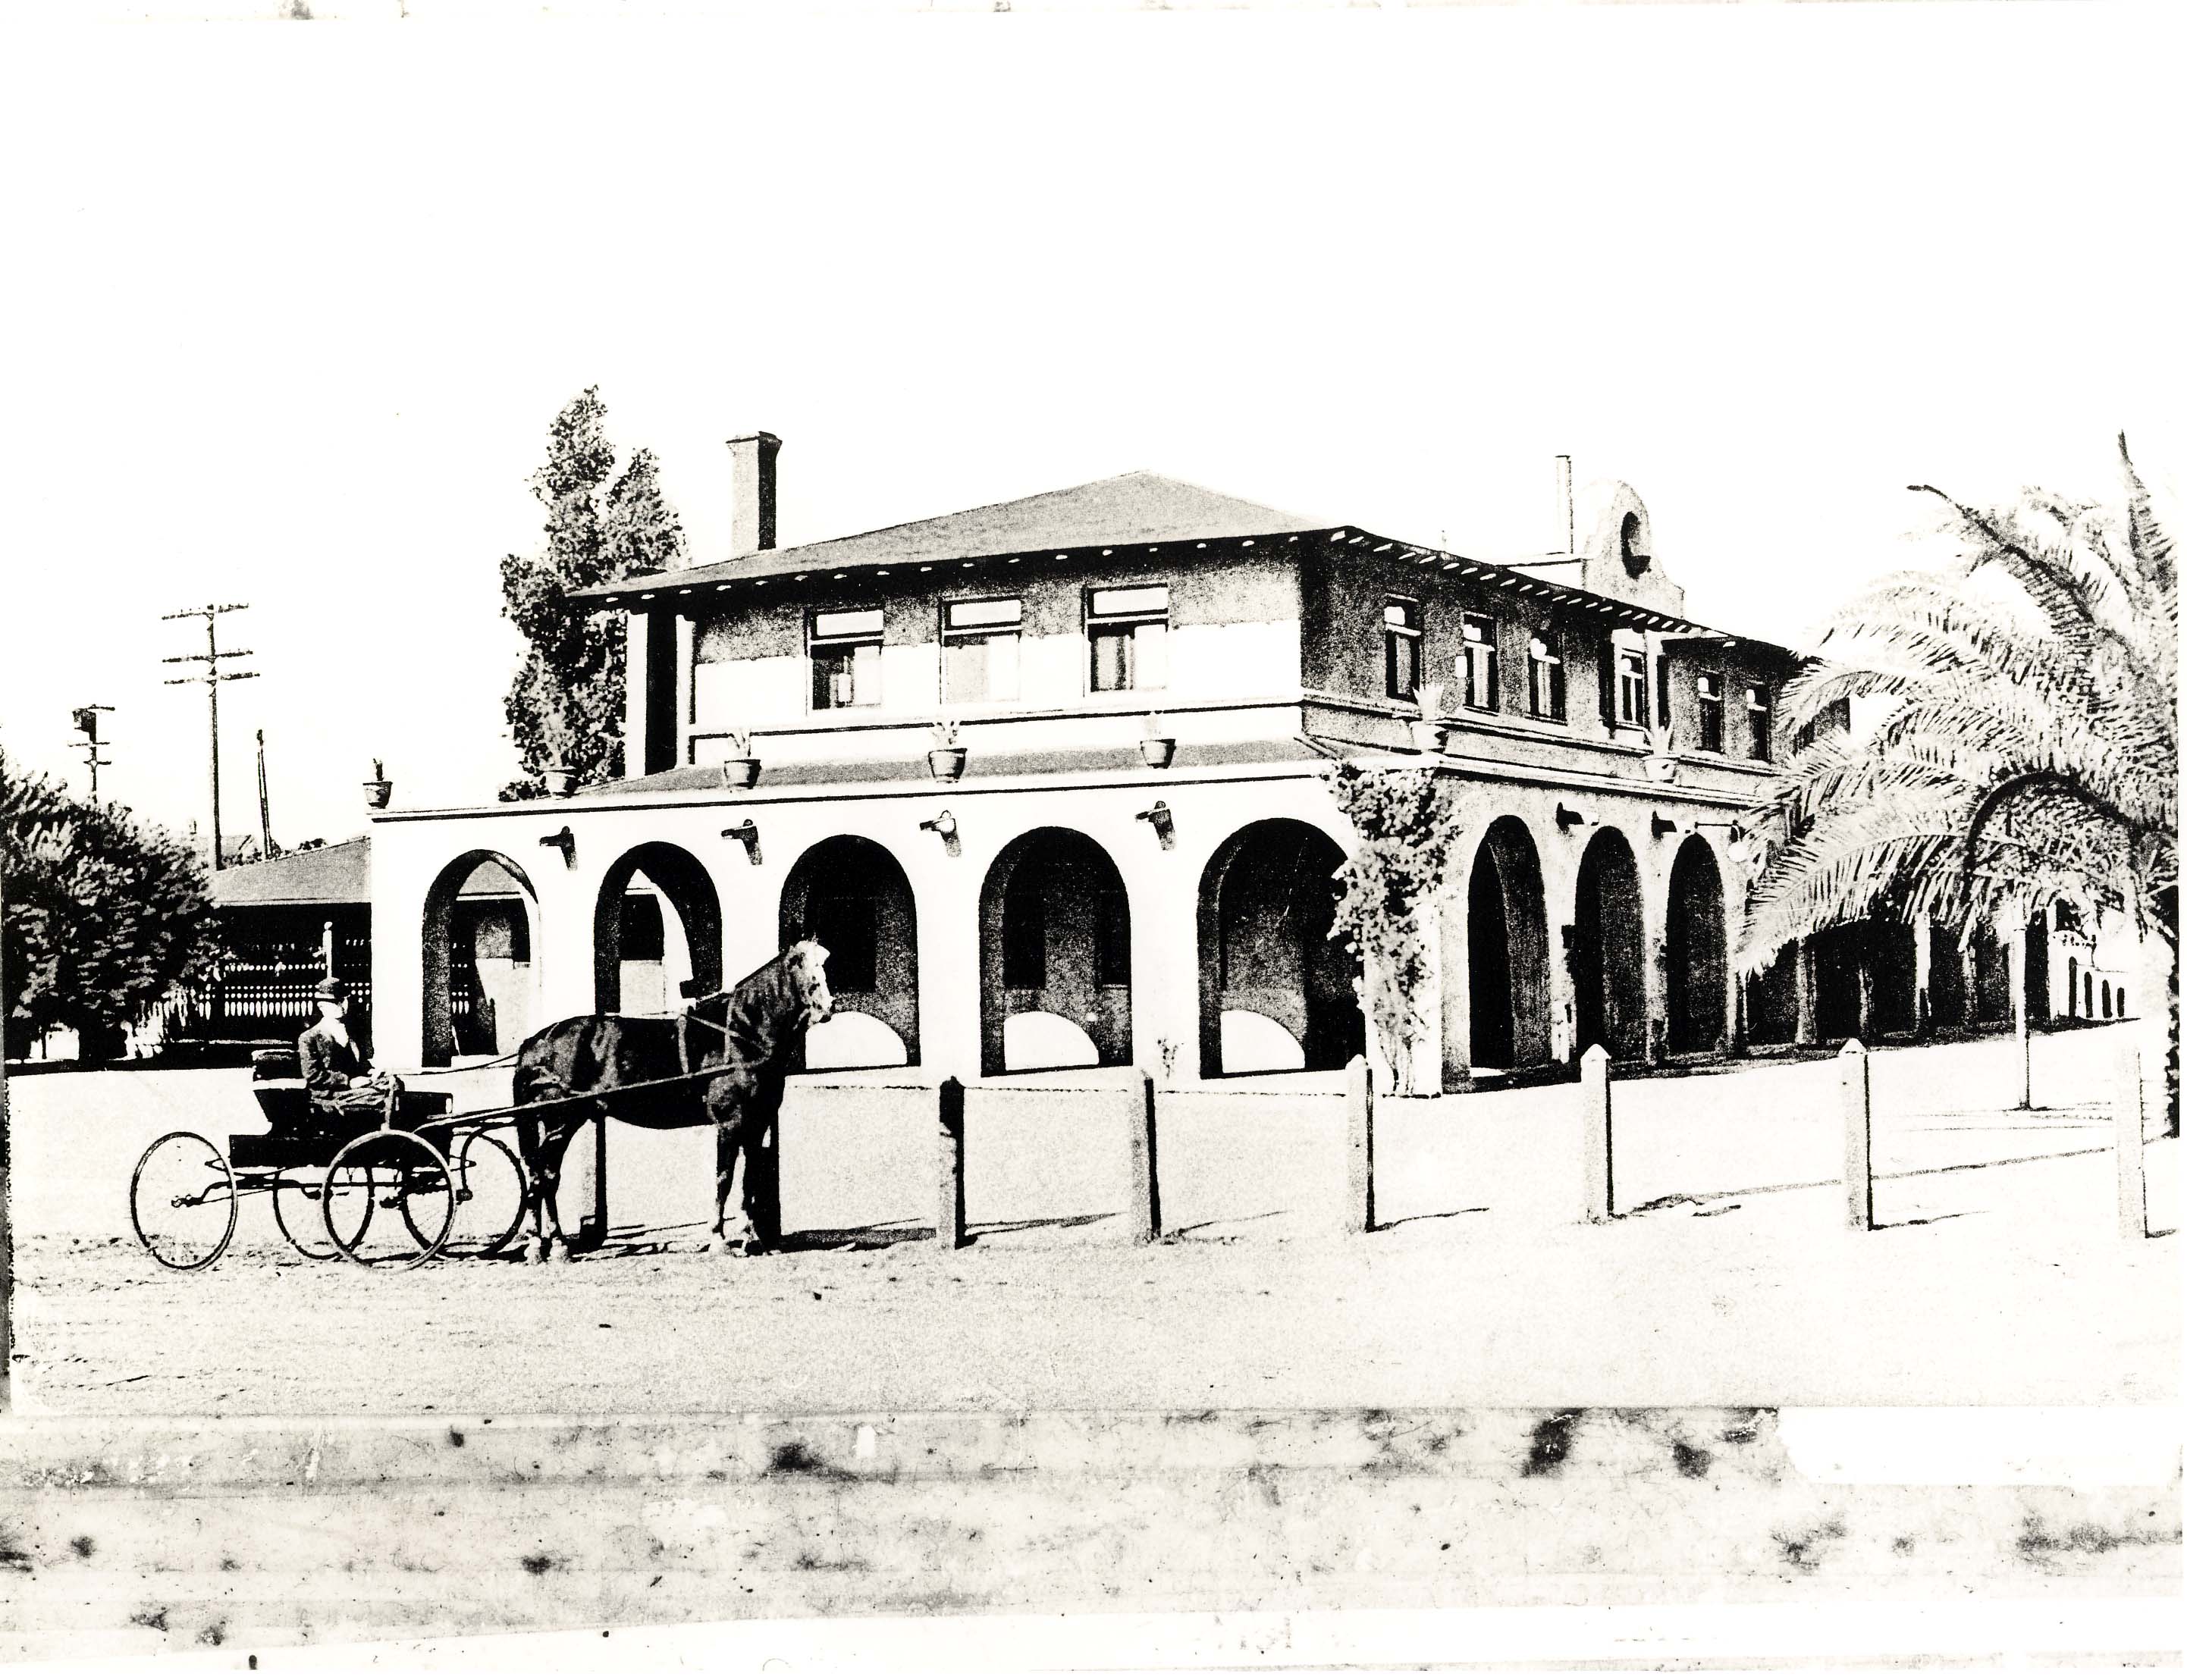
{"x":980,"y":650}
{"x":1401,"y":648}
{"x":1545,"y":680}
{"x":1633,"y":686}
{"x":1758,"y":720}
{"x":845,"y":647}
{"x":1708,"y":687}
{"x":1127,"y":636}
{"x":1476,"y":660}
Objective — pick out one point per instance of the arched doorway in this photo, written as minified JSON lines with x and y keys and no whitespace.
{"x":1055,"y":957}
{"x":1608,"y":984}
{"x":1507,"y":950}
{"x":479,"y":984}
{"x":641,"y":960}
{"x":1694,"y":949}
{"x":1276,"y":992}
{"x":850,"y":894}
{"x":1773,"y":999}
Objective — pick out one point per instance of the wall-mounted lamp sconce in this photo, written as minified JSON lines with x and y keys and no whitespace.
{"x":1163,"y":822}
{"x":1567,"y":818}
{"x":1742,"y":843}
{"x":747,"y":835}
{"x":564,"y":841}
{"x":943,"y":827}
{"x":1660,"y":825}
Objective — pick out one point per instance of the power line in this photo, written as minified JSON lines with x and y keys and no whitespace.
{"x":212,"y":677}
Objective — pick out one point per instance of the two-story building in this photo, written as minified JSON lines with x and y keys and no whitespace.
{"x":1129,"y":859}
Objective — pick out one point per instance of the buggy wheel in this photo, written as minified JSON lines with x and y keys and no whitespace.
{"x":491,"y":1197}
{"x":298,"y":1210}
{"x":182,"y":1201}
{"x":382,"y":1171}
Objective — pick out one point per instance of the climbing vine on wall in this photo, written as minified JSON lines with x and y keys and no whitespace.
{"x":1408,"y":829}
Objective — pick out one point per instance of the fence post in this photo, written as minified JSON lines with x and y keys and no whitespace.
{"x":1358,"y":1146}
{"x":1859,"y":1174}
{"x":949,"y":1159}
{"x":2133,"y":1187}
{"x":1146,"y":1180}
{"x":1595,"y":1177}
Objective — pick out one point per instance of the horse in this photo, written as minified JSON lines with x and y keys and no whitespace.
{"x":753,"y":1033}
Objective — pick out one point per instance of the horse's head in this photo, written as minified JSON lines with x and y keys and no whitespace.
{"x":806,"y":964}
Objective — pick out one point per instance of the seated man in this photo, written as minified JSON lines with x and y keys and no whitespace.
{"x":336,"y":1071}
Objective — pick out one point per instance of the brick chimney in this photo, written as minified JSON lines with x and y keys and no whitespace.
{"x":751,"y":491}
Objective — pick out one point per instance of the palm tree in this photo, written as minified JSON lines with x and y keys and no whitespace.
{"x":2027,"y":749}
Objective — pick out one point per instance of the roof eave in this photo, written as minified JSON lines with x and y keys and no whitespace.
{"x":659,"y":587}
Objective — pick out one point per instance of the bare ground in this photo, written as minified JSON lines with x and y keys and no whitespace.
{"x":1998,"y":1277}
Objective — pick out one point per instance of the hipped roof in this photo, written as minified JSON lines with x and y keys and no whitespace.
{"x":1138,"y":510}
{"x":1135,"y":508}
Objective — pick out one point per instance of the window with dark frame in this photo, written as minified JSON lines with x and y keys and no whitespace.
{"x":980,"y":650}
{"x":1708,"y":687}
{"x":1128,"y":638}
{"x":1758,"y":720}
{"x":1476,"y":660}
{"x":1401,"y":648}
{"x":1545,"y":680}
{"x":1632,"y":686}
{"x":846,"y":649}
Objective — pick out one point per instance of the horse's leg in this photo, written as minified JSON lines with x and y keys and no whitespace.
{"x":762,"y":1187}
{"x":557,"y":1152}
{"x":725,"y":1239}
{"x":532,"y":1155}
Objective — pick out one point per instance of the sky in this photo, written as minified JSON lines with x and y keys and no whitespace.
{"x":289,"y":308}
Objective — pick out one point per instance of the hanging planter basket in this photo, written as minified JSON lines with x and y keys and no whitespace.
{"x":739,"y":772}
{"x":947,"y":764}
{"x":559,"y":780}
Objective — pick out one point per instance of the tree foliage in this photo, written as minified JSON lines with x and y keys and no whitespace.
{"x":1408,"y":828}
{"x":2027,"y":751}
{"x":105,"y":913}
{"x":565,"y":703}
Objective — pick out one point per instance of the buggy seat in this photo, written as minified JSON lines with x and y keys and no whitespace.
{"x":277,"y":1080}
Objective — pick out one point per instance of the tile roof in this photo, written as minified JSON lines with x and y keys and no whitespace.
{"x":1108,"y":513}
{"x":340,"y":873}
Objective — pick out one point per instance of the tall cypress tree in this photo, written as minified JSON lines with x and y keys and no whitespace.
{"x":565,"y":703}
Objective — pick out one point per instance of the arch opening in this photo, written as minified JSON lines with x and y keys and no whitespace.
{"x":1694,"y":956}
{"x":643,"y":961}
{"x":851,"y":895}
{"x":1276,"y":990}
{"x":1608,"y":982}
{"x":1055,"y":940}
{"x":1507,"y":948}
{"x":480,"y":985}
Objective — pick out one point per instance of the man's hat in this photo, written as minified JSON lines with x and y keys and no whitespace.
{"x":333,"y":991}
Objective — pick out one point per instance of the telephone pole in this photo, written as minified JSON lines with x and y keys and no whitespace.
{"x":212,"y":677}
{"x":265,"y":809}
{"x":87,"y":723}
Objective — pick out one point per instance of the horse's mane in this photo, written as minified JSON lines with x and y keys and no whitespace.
{"x":756,"y":1013}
